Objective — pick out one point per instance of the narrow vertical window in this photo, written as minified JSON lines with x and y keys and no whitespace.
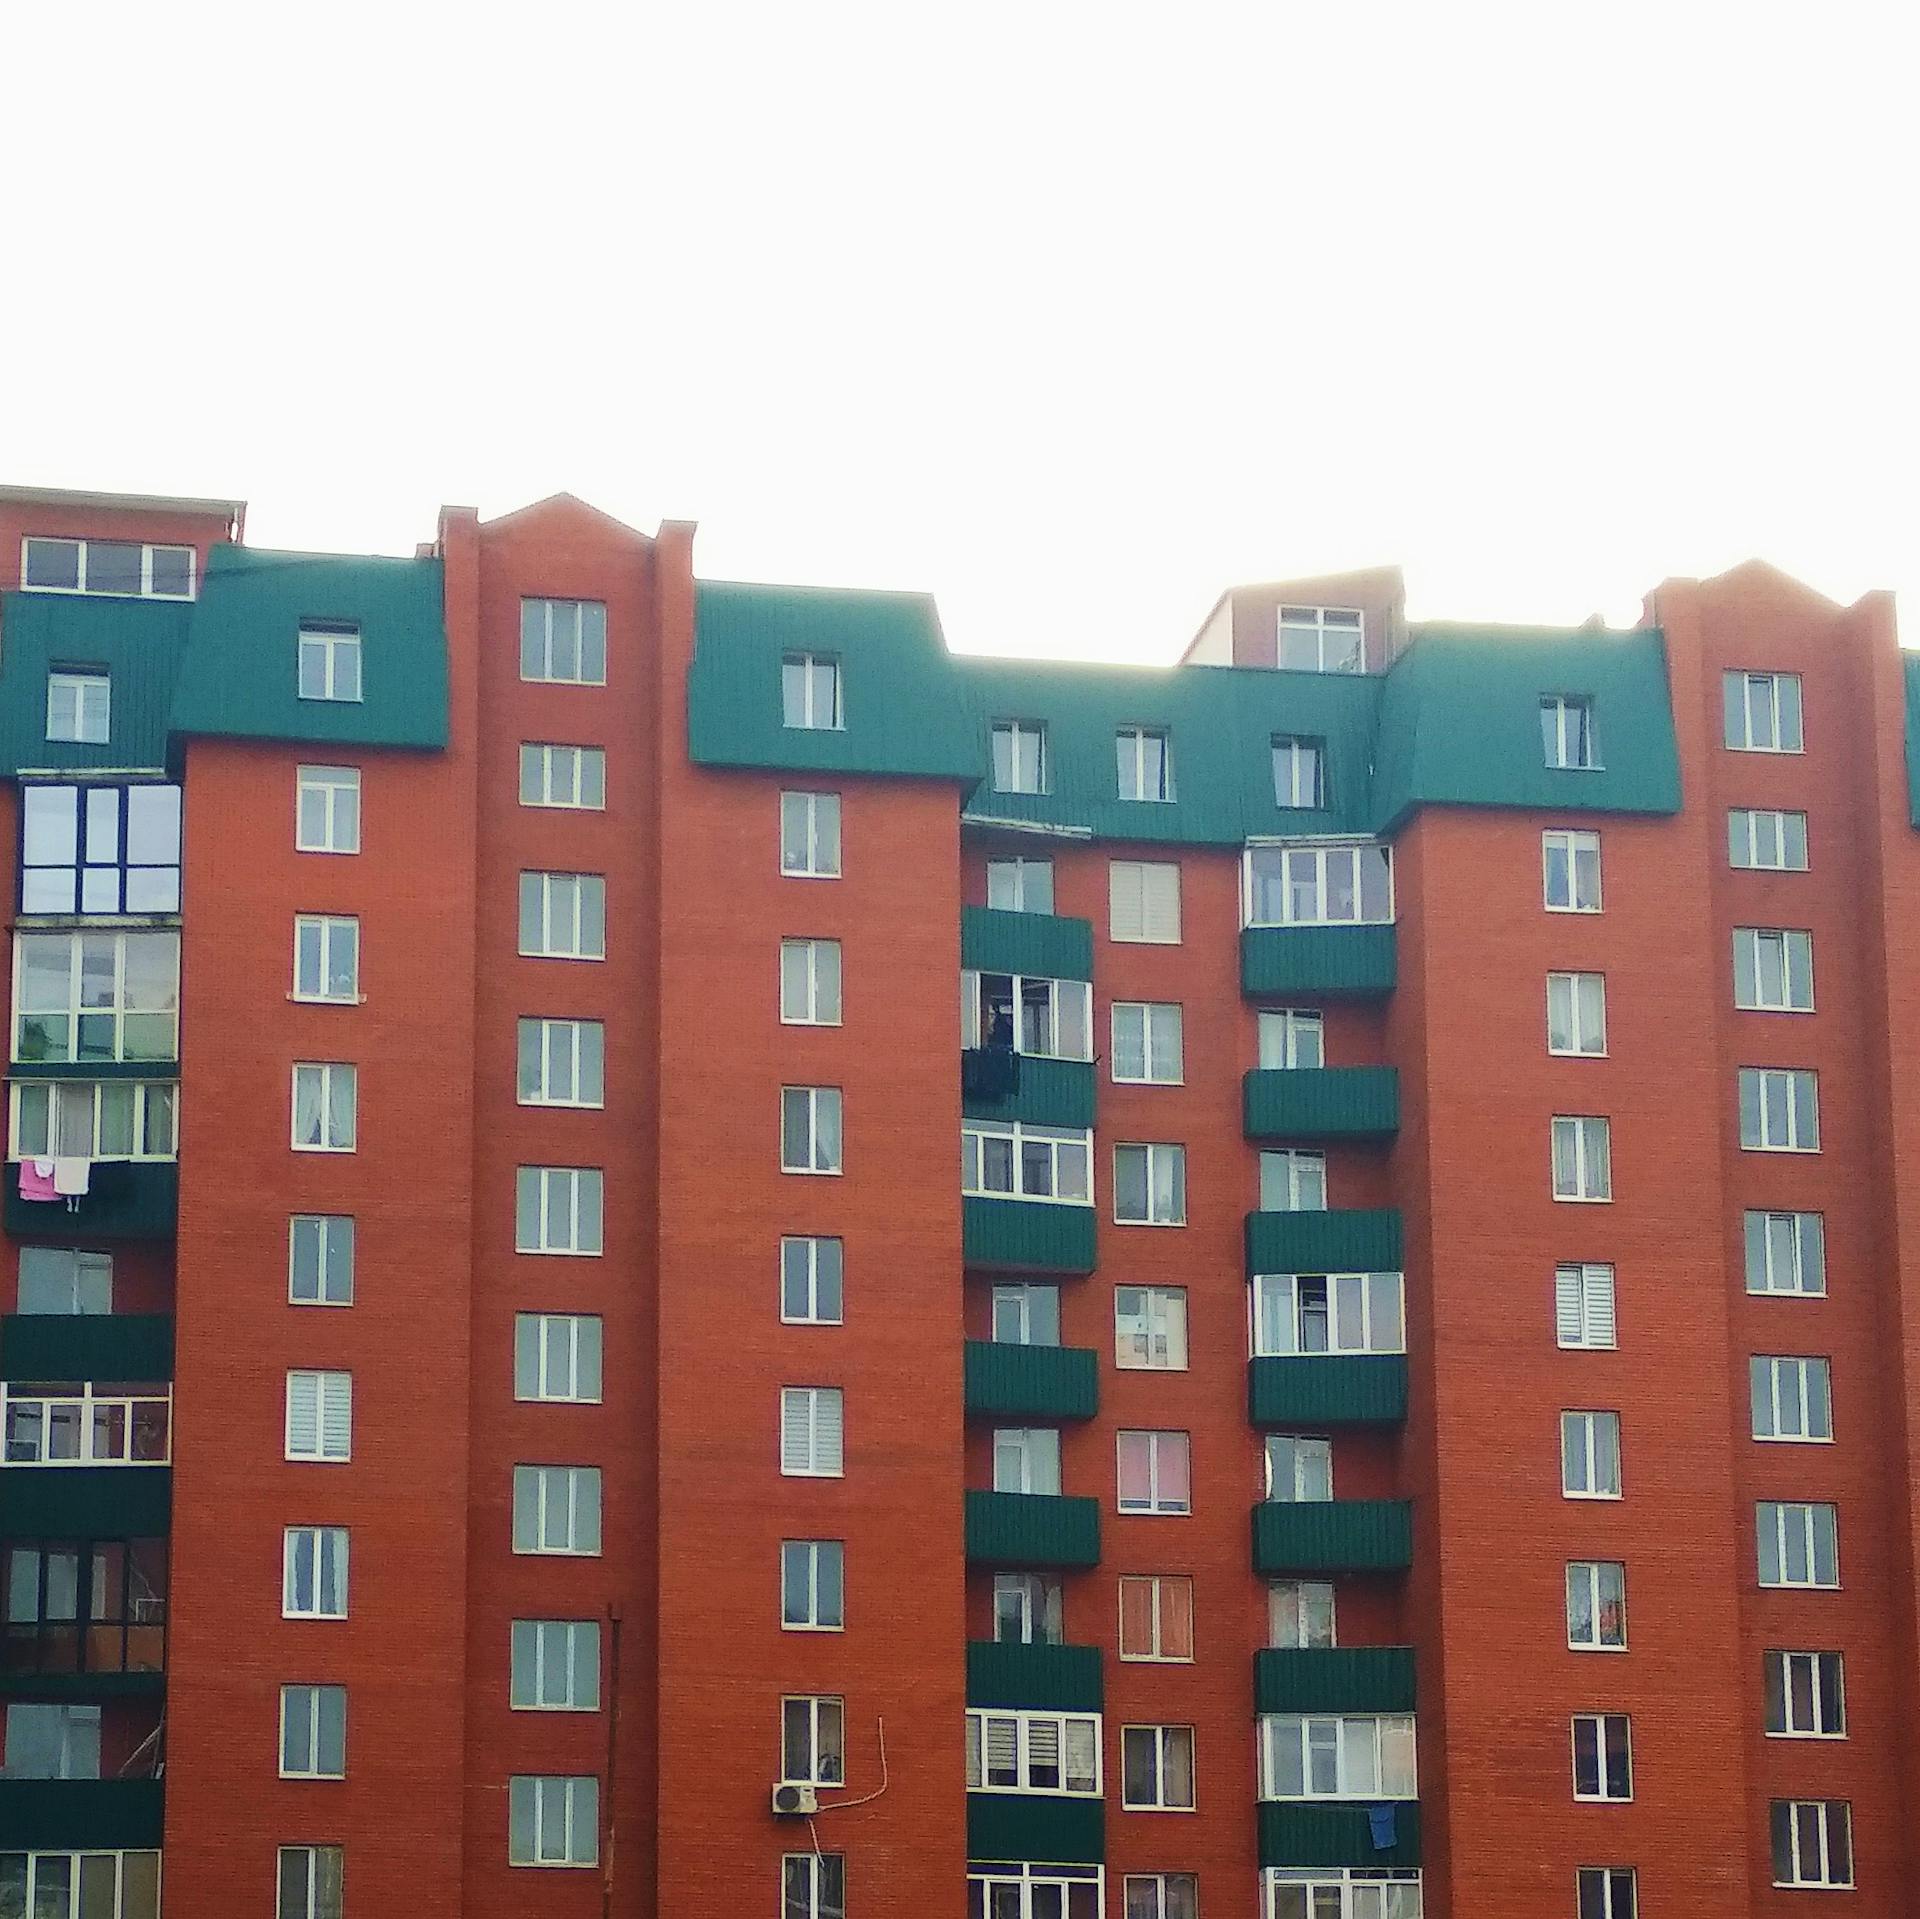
{"x":810,"y":691}
{"x":329,"y":660}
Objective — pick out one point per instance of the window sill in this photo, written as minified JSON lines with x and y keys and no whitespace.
{"x":1792,"y":1439}
{"x":327,"y":999}
{"x":1165,"y":1224}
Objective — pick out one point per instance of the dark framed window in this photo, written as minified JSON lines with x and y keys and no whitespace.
{"x":100,"y":848}
{"x":83,"y":1605}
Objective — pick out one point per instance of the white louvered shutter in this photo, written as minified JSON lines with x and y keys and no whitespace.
{"x":826,"y":1430}
{"x":1583,"y":1306}
{"x":336,"y":1415}
{"x":303,"y":1415}
{"x":1160,"y":904}
{"x":1126,"y":913}
{"x":1599,"y":1326}
{"x":1043,"y":1753}
{"x":1003,"y":1751}
{"x":796,"y":1430}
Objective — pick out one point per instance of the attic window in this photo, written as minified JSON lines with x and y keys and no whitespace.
{"x":1322,"y":639}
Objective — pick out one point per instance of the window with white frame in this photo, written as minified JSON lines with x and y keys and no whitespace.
{"x":1019,"y":756}
{"x":1150,"y":1185}
{"x":320,"y":1259}
{"x":79,"y":1426}
{"x":1299,"y":771}
{"x":79,"y":707}
{"x":87,"y":1119}
{"x":1779,"y":1110}
{"x":1806,"y":1695}
{"x":124,"y":568}
{"x":313,"y":1732}
{"x":1567,"y":735}
{"x":1328,"y":1313}
{"x":1596,"y":1605}
{"x":1020,"y":886}
{"x":811,"y":1276}
{"x":553,"y":1820}
{"x":810,"y":835}
{"x":1027,"y":1610}
{"x":1798,"y":1541}
{"x":563,"y":916}
{"x":1299,"y":1469}
{"x":554,"y":1665}
{"x":556,"y":1509}
{"x":1340,"y":1892}
{"x":1337,"y":1756}
{"x":1763,"y":712}
{"x":329,"y":660}
{"x":326,"y":958}
{"x":1034,"y":1752}
{"x":1792,"y":1398}
{"x":1786,"y":1254}
{"x":1155,"y":1472}
{"x":813,"y":1748}
{"x":1156,"y":1617}
{"x":558,"y":1209}
{"x":556,"y":1357}
{"x":59,"y":1279}
{"x":1767,"y":840}
{"x":562,"y":1062}
{"x":1026,"y":1313}
{"x":810,"y":982}
{"x":810,"y":1129}
{"x":1144,"y":763}
{"x":1582,"y":1158}
{"x":312,"y":1883}
{"x":1143,"y":902}
{"x":325,"y":1107}
{"x":1147,"y":1048}
{"x":1812,"y":1842}
{"x":1293,"y":1180}
{"x":1150,"y":1328}
{"x":564,"y":641}
{"x":1583,"y":1314}
{"x":1590,"y":1455}
{"x":1607,"y":1892}
{"x":812,"y":1424}
{"x":1602,"y":1756}
{"x":1577,"y":1014}
{"x":812,"y":1585}
{"x":1027,"y":1013}
{"x":320,"y":1416}
{"x":105,"y":847}
{"x":810,"y":692}
{"x":1320,"y":639}
{"x":1156,"y":1768}
{"x":1026,"y":1459}
{"x":1772,"y":969}
{"x":85,"y":997}
{"x":1009,"y":1160}
{"x":574,"y":777}
{"x":1570,"y":864}
{"x":1161,"y":1895}
{"x":326,"y":809}
{"x":1318,"y":883}
{"x":813,"y":1885}
{"x":1300,"y":1614}
{"x":48,"y":1740}
{"x":314,"y":1572}
{"x":1292,"y":1038}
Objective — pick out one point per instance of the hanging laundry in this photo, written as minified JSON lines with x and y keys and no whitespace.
{"x":1383,"y":1827}
{"x":71,"y":1177}
{"x":36,"y":1179}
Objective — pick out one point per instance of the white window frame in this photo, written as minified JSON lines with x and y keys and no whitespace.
{"x":1792,"y":948}
{"x":1569,"y":739}
{"x":1782,"y":722}
{"x":1779,"y":1687}
{"x":1574,"y":848}
{"x":1295,"y":1608}
{"x":569,"y":1344}
{"x":1588,"y":1156}
{"x":1034,"y":1734}
{"x":1364,"y":1313}
{"x":1799,"y":1130}
{"x":1026,"y":1461}
{"x":813,"y":1445}
{"x":1164,"y":1448}
{"x":806,"y":1266}
{"x":1306,"y":870}
{"x":1286,"y":1731}
{"x":315,"y":1561}
{"x":1014,"y":877}
{"x":539,"y":623}
{"x":1019,"y":1318}
{"x":1163,"y":1741}
{"x":1160,"y":1343}
{"x":824,"y":1146}
{"x":566,"y":778}
{"x":148,"y":548}
{"x":572,"y":1494}
{"x":1584,"y":1455}
{"x":75,"y":1006}
{"x":327,"y":1229}
{"x":562,"y":915}
{"x":336,"y":645}
{"x":1132,"y":764}
{"x":806,"y":1558}
{"x":559,"y":1043}
{"x":1068,"y":1145}
{"x":1593,"y":1725}
{"x":153,"y":1108}
{"x":1030,"y":1602}
{"x":1338,"y":637}
{"x":1161,"y":1043}
{"x":806,"y":811}
{"x":813,"y":1885}
{"x":1577,"y":1015}
{"x":1025,"y":758}
{"x":1308,"y":1478}
{"x":1792,"y":1397}
{"x":823,"y":1754}
{"x":1803,"y":1259}
{"x":551,"y":1198}
{"x":1362,"y":1892}
{"x":1305,"y":1178}
{"x":1745,"y":839}
{"x":1783,"y":1519}
{"x":337,"y":1087}
{"x":1160,"y":1895}
{"x":1299,"y":772}
{"x":80,"y":1283}
{"x":1066,"y":1022}
{"x":1822,"y":1862}
{"x":1135,"y":877}
{"x":1159,"y":1587}
{"x":319,"y":1873}
{"x":810,"y":982}
{"x":315,"y":937}
{"x":319,"y":1702}
{"x":1584,"y":1312}
{"x":1025,"y":1882}
{"x":90,"y":695}
{"x":543,"y":1651}
{"x":560,"y":1805}
{"x":1162,"y":1209}
{"x":323,"y":1402}
{"x":816,"y":671}
{"x":1282,"y":1036}
{"x":336,"y":791}
{"x":1589,"y":1576}
{"x":103,"y":1429}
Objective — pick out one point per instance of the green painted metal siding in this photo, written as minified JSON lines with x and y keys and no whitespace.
{"x":1043,"y":1382}
{"x":1027,"y":1235}
{"x":1035,"y":1678}
{"x":1044,"y":1828}
{"x":1322,"y":1102}
{"x":1328,"y":962}
{"x":1032,"y":1529}
{"x":1332,"y":1535}
{"x":1334,"y":1679}
{"x":1052,"y":1092}
{"x":125,"y":1199}
{"x":80,"y":1815}
{"x":241,"y":676}
{"x":1327,"y":1389}
{"x":82,"y":1688}
{"x":85,"y":1502}
{"x":1048,"y":945}
{"x":82,"y":1346}
{"x":1294,"y":1834}
{"x":140,"y":643}
{"x":1348,"y":1240}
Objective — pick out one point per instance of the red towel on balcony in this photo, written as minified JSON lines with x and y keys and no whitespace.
{"x":36,"y":1179}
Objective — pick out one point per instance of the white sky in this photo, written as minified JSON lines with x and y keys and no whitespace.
{"x":1073,"y":314}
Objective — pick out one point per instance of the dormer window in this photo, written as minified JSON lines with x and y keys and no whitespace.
{"x":329,"y":660}
{"x":1322,"y":639}
{"x":1566,"y":732}
{"x":79,"y":706}
{"x":1144,"y":757}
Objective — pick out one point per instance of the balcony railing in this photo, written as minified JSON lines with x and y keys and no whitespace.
{"x":1055,"y":1828}
{"x":1323,"y":962}
{"x":1352,"y":1679}
{"x":1032,"y":1529}
{"x":85,"y":1428}
{"x":1348,"y":1240}
{"x":1042,"y":1091}
{"x":1035,"y":1678}
{"x":1027,"y":1235}
{"x":38,"y":1346}
{"x":1295,"y":1833}
{"x":1053,"y":945}
{"x":1327,"y":1389}
{"x":1039,"y":1382}
{"x":1321,"y":1102}
{"x":80,"y":1815}
{"x":1330,"y":1536}
{"x":125,"y":1199}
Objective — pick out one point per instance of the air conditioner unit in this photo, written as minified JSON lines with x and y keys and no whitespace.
{"x":793,"y":1802}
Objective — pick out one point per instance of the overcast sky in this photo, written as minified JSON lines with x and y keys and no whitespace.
{"x":1073,"y":314}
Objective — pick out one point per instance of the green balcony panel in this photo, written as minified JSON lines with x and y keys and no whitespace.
{"x":1027,"y":1235}
{"x":1319,"y":962}
{"x":1045,"y":1828}
{"x":82,"y":1688}
{"x":1050,"y":945}
{"x":1046,"y":1092}
{"x":1322,"y":1102}
{"x":1035,"y":1678}
{"x":1327,"y":1389}
{"x":1041,"y":1382}
{"x":1333,"y":1679}
{"x":1350,"y":1240}
{"x":1296,"y":1833}
{"x":85,"y":1502}
{"x":1032,"y":1529}
{"x":80,"y":1815}
{"x":1332,"y":1536}
{"x":125,"y":1199}
{"x":81,"y":1346}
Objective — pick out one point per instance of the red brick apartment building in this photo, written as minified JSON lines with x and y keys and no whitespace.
{"x":1407,"y":1410}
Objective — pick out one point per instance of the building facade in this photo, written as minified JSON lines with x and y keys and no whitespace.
{"x":1408,"y":1409}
